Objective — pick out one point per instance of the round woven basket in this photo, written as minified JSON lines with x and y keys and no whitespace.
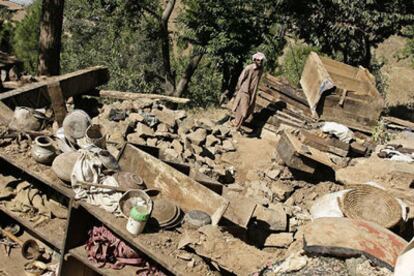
{"x":372,"y":204}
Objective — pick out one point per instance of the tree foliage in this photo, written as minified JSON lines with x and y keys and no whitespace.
{"x":348,"y":28}
{"x":227,"y":30}
{"x":26,"y":38}
{"x":116,"y":34}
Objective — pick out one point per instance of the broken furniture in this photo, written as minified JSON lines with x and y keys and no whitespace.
{"x":303,"y":157}
{"x":339,"y":92}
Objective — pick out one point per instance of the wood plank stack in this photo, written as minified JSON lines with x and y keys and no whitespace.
{"x":282,"y":104}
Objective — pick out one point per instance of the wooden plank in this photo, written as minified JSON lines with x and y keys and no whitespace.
{"x":397,"y":121}
{"x":6,"y":114}
{"x":14,"y":264}
{"x":140,"y":243}
{"x":174,"y":185}
{"x":39,"y":172}
{"x":289,"y":152}
{"x":58,"y":102}
{"x":325,"y":144}
{"x":51,"y":232}
{"x":72,"y":84}
{"x":276,"y":86}
{"x":136,"y":96}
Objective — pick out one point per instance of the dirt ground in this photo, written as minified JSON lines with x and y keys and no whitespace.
{"x":252,"y":155}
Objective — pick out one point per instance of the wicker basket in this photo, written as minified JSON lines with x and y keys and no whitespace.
{"x":373,"y":204}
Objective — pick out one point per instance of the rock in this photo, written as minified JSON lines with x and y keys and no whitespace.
{"x":177,"y":146}
{"x":211,"y":141}
{"x":170,"y":154}
{"x":135,"y":138}
{"x":282,"y":240}
{"x":165,"y":135}
{"x":213,"y":151}
{"x":196,"y":149}
{"x":152,"y":142}
{"x":116,"y":137}
{"x":144,"y":130}
{"x":228,"y":146}
{"x":162,"y":128}
{"x":200,"y":158}
{"x":205,"y":122}
{"x":224,"y":175}
{"x":209,"y":162}
{"x":198,"y":137}
{"x":163,"y":145}
{"x":223,"y":131}
{"x":273,"y":174}
{"x":166,"y":116}
{"x":275,"y":218}
{"x":182,"y":131}
{"x":281,"y":190}
{"x":286,"y":174}
{"x":180,"y":114}
{"x":294,"y":262}
{"x":136,"y":117}
{"x":187,"y":154}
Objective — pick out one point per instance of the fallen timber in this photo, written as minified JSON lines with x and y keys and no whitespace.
{"x":119,"y":95}
{"x":71,"y":84}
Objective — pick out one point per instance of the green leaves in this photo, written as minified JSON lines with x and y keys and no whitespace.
{"x":351,"y":27}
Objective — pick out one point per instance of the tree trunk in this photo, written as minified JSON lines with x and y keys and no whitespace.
{"x":169,"y":76}
{"x":189,"y":71}
{"x":50,"y":37}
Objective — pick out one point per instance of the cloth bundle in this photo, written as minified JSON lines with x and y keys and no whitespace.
{"x":105,"y":249}
{"x":89,"y":169}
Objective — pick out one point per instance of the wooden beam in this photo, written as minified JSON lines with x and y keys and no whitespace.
{"x":331,"y":145}
{"x":6,"y":114}
{"x":72,"y":84}
{"x":58,"y":102}
{"x":119,"y":95}
{"x":174,"y":185}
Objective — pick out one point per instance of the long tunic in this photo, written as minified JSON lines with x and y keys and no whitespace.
{"x":245,"y":99}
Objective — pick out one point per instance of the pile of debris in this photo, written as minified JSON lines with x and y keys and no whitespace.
{"x":199,"y":143}
{"x":314,"y":209}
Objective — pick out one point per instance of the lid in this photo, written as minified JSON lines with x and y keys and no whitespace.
{"x":139,"y":213}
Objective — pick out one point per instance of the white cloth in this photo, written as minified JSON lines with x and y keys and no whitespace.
{"x":342,"y":132}
{"x":327,"y":206}
{"x":395,"y":155}
{"x":259,"y":56}
{"x":88,"y":169}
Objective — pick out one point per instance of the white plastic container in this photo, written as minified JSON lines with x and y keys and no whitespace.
{"x":137,"y":219}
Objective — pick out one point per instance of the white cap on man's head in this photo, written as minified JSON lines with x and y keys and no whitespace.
{"x":259,"y":56}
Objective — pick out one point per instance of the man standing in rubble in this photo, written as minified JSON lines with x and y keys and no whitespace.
{"x":246,"y":90}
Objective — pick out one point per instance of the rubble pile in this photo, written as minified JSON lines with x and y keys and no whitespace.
{"x":199,"y":143}
{"x":329,"y":201}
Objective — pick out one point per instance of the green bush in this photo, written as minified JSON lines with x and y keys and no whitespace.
{"x":99,"y":33}
{"x":26,"y":38}
{"x":205,"y":87}
{"x":294,"y":61}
